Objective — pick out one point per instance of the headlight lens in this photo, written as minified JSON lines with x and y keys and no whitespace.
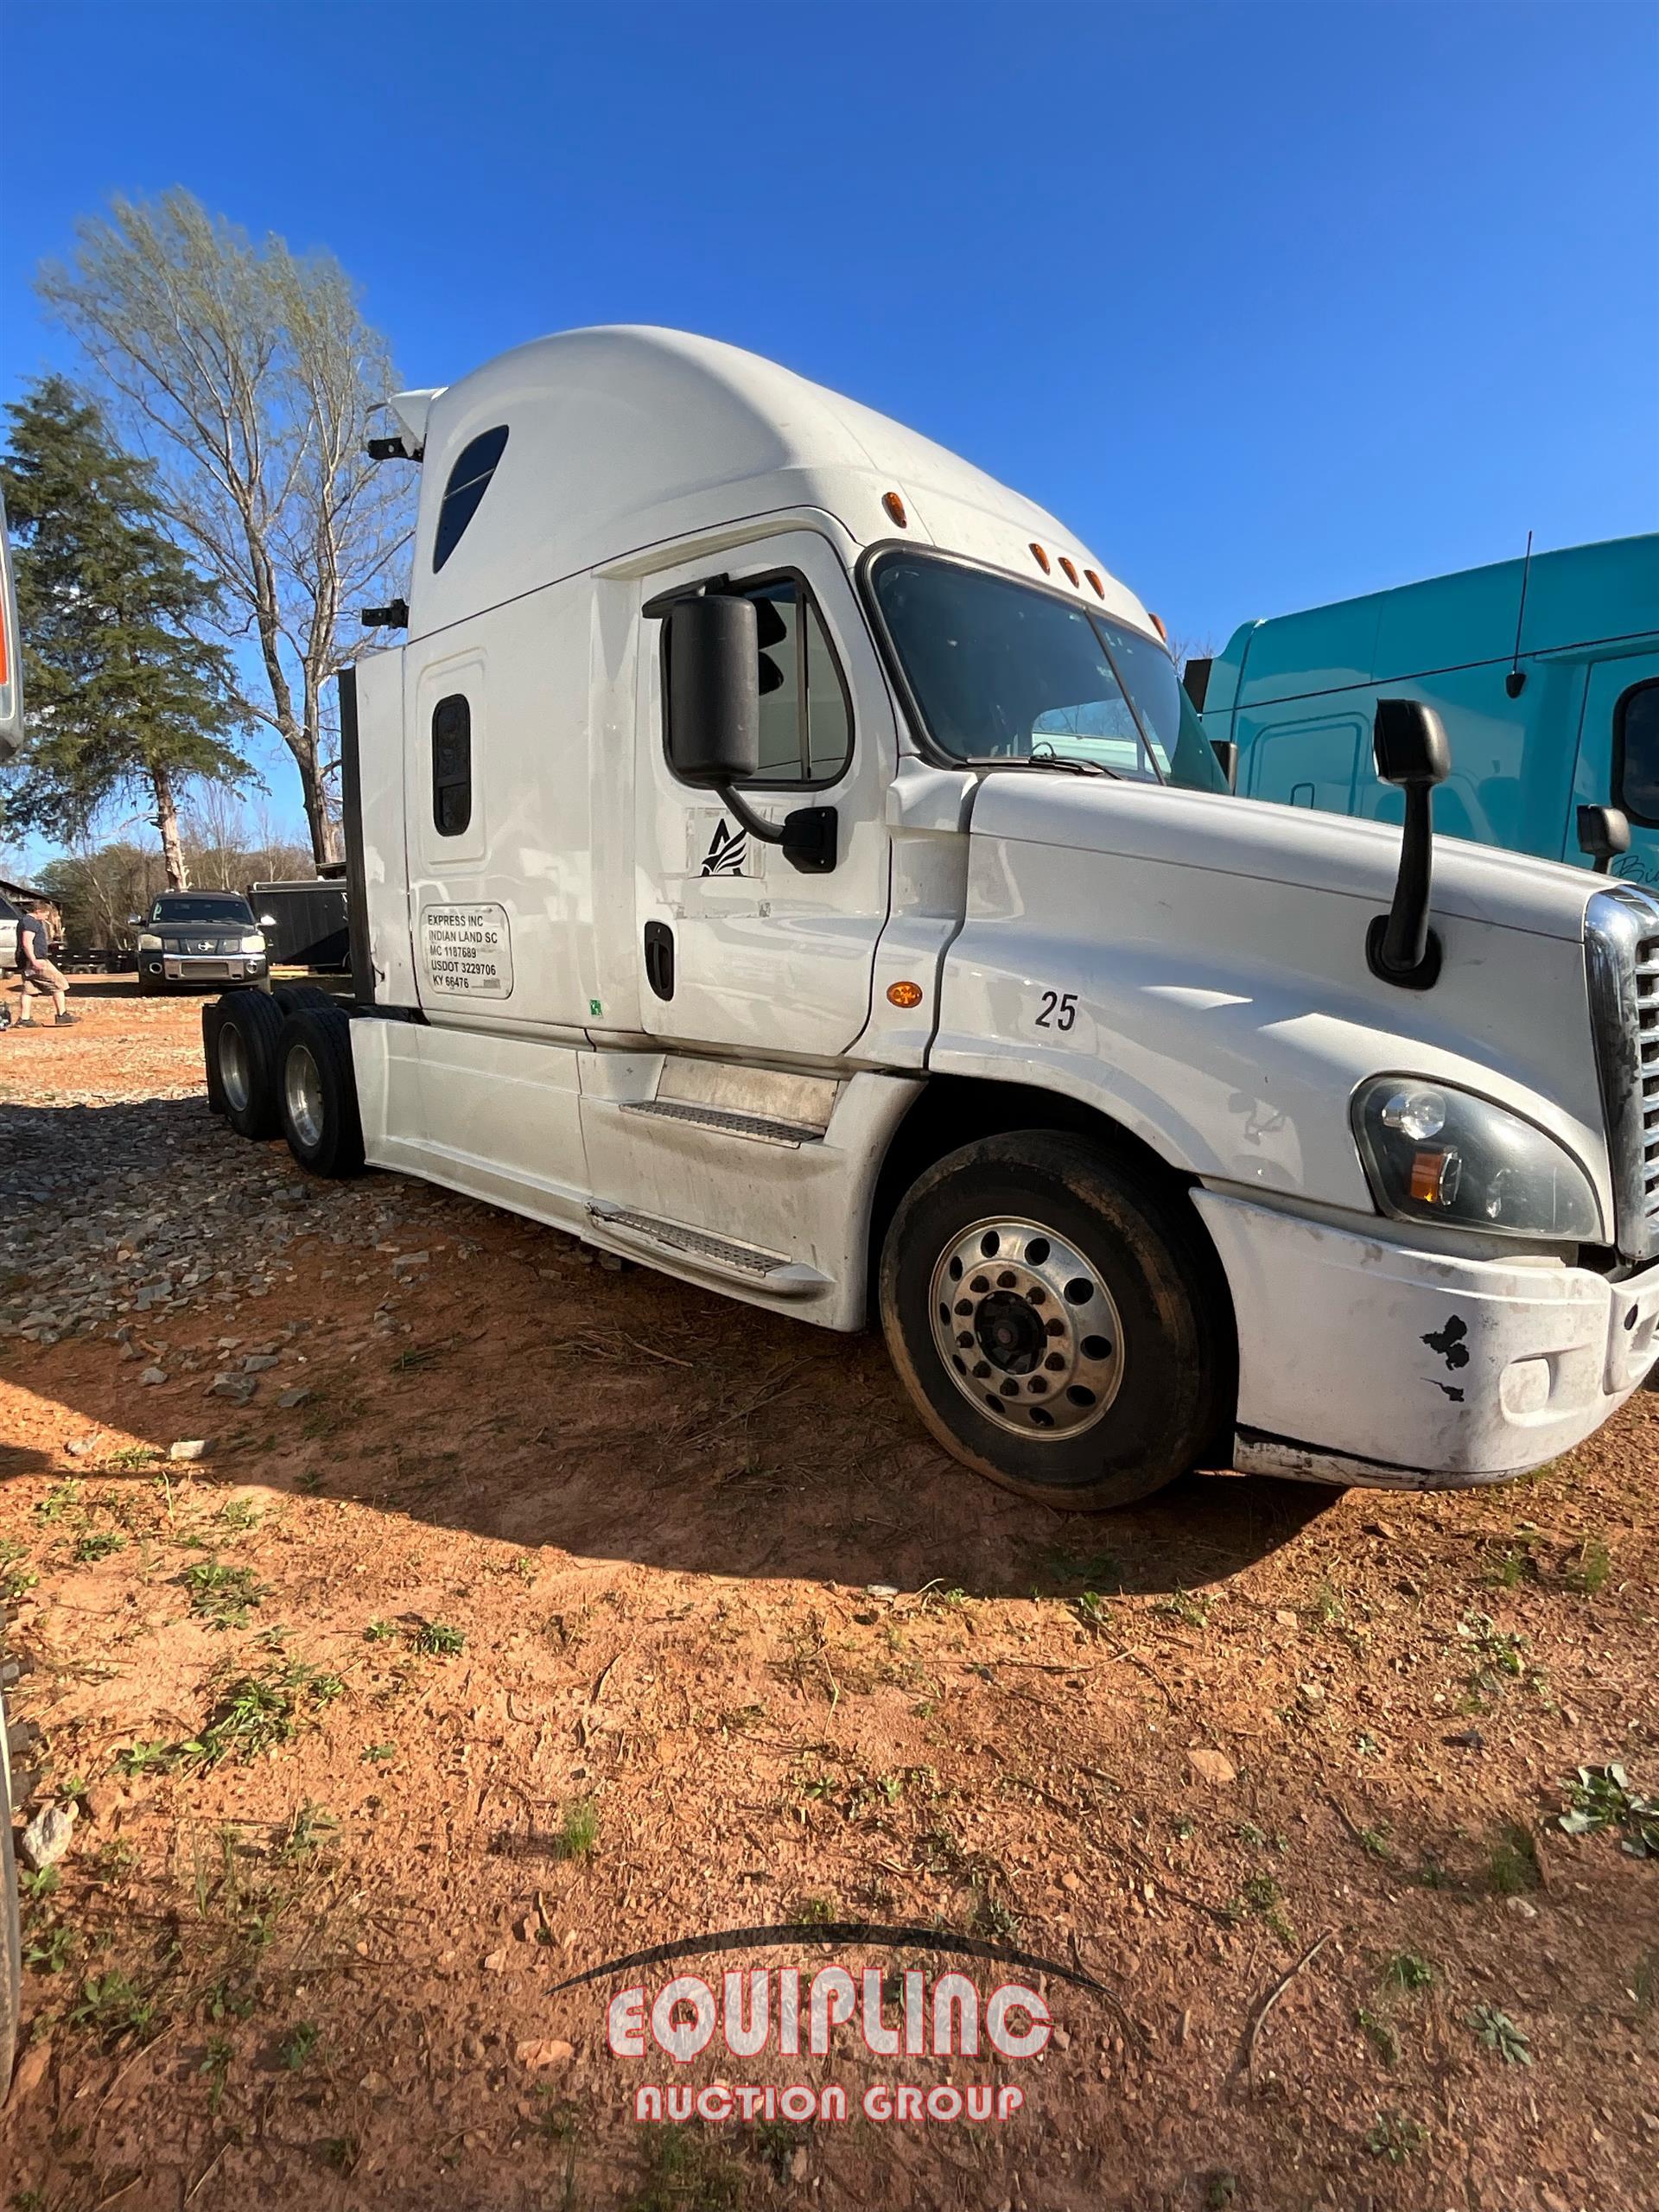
{"x":254,"y":943}
{"x":1433,"y":1153}
{"x":149,"y":942}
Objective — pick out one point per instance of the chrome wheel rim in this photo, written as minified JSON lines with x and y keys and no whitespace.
{"x":233,"y":1067}
{"x":302,"y":1093}
{"x":1026,"y":1328}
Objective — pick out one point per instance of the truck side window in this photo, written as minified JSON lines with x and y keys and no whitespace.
{"x":1636,"y":753}
{"x":806,"y":721}
{"x":806,"y":725}
{"x":469,"y":480}
{"x":452,"y":765}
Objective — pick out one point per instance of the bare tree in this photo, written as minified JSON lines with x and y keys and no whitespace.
{"x":95,"y":888}
{"x":1182,"y":650}
{"x":215,"y":829}
{"x":248,"y":372}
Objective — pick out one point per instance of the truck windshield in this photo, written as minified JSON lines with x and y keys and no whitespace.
{"x":227,"y":909}
{"x":1006,"y":672}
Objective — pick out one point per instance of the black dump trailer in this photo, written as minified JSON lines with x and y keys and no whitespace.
{"x":304,"y":922}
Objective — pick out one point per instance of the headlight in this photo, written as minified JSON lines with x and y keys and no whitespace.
{"x":1433,"y":1153}
{"x":149,"y":942}
{"x":254,"y":943}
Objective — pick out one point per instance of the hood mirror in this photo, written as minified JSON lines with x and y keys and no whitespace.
{"x":1604,"y":832}
{"x":1409,"y":742}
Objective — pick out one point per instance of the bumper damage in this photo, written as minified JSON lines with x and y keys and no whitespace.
{"x":1367,"y":1362}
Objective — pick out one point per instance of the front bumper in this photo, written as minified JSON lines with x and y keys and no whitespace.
{"x":201,"y":969}
{"x":1367,"y":1361}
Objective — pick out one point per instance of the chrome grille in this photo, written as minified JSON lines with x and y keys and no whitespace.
{"x":1621,"y":934}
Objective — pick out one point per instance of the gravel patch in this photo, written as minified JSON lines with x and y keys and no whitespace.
{"x":121,"y":1213}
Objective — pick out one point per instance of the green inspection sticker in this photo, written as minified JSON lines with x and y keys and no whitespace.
{"x":595,"y":1008}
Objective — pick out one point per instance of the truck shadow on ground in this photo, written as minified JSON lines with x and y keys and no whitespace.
{"x":510,"y":1385}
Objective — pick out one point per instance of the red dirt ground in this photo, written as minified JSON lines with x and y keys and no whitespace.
{"x":558,"y":1581}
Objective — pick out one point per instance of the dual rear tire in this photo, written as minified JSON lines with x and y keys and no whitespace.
{"x":280,"y":1065}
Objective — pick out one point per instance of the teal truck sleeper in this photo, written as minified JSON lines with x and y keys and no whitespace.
{"x":1545,"y":673}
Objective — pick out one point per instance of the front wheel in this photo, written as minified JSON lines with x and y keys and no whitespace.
{"x":1055,"y":1320}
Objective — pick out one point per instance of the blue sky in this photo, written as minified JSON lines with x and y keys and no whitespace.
{"x":1271,"y":303}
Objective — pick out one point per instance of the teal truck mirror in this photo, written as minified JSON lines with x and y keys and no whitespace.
{"x":1603,"y":831}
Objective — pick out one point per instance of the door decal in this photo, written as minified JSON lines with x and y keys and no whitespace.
{"x":718,"y":846}
{"x":467,"y":951}
{"x":727,"y":850}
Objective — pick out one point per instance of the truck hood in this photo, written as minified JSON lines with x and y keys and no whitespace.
{"x":1226,"y":836}
{"x":1194,"y":966}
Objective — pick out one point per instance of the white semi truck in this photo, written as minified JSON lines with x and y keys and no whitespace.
{"x":782,"y":855}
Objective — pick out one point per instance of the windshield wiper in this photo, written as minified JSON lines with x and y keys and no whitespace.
{"x":1073,"y":765}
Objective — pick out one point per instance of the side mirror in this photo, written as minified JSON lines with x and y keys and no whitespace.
{"x":1226,"y":752}
{"x":714,"y":689}
{"x":135,"y":921}
{"x":1603,"y":831}
{"x":717,"y":671}
{"x":1195,"y":680}
{"x":1409,"y":742}
{"x":267,"y":921}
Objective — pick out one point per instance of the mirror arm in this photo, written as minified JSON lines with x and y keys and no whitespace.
{"x":807,"y":836}
{"x":1405,"y":940}
{"x":769,"y":833}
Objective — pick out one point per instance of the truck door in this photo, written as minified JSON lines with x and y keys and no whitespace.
{"x":1310,"y":763}
{"x":1618,"y":759}
{"x":739,"y":950}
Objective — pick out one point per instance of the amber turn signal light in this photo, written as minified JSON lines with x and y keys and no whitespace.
{"x":895,"y":507}
{"x":1434,"y":1177}
{"x":904,"y":994}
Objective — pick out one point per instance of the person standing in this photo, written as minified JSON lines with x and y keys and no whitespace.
{"x":38,"y":974}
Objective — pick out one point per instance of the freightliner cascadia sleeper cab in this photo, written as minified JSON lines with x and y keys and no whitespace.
{"x":782,"y":855}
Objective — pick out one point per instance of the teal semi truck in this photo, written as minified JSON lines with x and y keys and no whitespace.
{"x":1545,"y":671}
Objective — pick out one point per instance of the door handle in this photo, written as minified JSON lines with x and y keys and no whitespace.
{"x":659,"y":958}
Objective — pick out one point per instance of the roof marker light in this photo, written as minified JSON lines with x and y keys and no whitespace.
{"x":1070,"y":567}
{"x":1094,"y":584}
{"x":1158,"y":625}
{"x":895,"y":507}
{"x":1041,"y":557}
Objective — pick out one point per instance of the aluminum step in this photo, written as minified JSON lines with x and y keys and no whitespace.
{"x":758,"y":1128}
{"x":697,"y":1250}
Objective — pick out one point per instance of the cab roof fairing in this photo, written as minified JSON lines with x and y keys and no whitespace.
{"x":626,"y":437}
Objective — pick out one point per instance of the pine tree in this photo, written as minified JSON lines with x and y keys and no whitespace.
{"x":121,"y":695}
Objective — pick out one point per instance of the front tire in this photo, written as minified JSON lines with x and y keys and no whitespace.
{"x":1056,"y":1320}
{"x":317,"y":1088}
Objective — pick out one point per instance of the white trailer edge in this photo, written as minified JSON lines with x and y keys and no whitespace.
{"x":781,"y":854}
